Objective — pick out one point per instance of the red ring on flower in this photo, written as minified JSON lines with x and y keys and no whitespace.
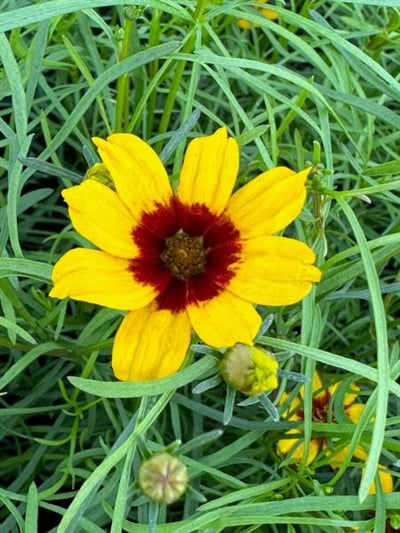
{"x":221,"y":239}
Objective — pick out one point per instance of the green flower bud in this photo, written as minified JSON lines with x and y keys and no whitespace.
{"x":249,"y":369}
{"x":163,"y":478}
{"x":132,"y":12}
{"x":395,"y":521}
{"x":99,"y":172}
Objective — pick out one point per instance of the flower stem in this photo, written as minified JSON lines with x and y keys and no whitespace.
{"x":187,"y":49}
{"x":122,"y":106}
{"x":201,"y":5}
{"x":153,"y":68}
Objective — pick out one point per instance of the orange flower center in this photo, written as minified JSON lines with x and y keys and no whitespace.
{"x":184,"y":256}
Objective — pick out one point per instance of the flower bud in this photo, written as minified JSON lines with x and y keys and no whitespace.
{"x":99,"y":172}
{"x":249,"y":369}
{"x":132,"y":12}
{"x":163,"y":478}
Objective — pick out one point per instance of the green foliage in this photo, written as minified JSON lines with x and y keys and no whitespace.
{"x":318,"y":85}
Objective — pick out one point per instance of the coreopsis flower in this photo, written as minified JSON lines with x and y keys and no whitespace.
{"x":321,"y":402}
{"x":249,"y":369}
{"x":319,"y":413}
{"x":267,"y":13}
{"x":196,"y":259}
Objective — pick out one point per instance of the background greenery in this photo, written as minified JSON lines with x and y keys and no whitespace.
{"x":318,"y":85}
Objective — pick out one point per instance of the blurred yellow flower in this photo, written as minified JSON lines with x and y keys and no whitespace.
{"x":321,"y":404}
{"x":197,"y":259}
{"x":268,"y":13}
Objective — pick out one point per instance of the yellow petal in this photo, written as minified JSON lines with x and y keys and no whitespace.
{"x":224,"y":320}
{"x":337,"y":458}
{"x":274,"y":271}
{"x":385,"y":479}
{"x":269,"y":14}
{"x":285,"y":445}
{"x":351,"y":397}
{"x":296,"y":449}
{"x":244,"y":24}
{"x":354,"y":411}
{"x":150,"y":344}
{"x":295,"y":407}
{"x":317,"y":386}
{"x":99,"y":278}
{"x":100,"y":216}
{"x":360,"y":453}
{"x":139,"y":175}
{"x":269,"y":202}
{"x":292,"y":412}
{"x":209,"y":171}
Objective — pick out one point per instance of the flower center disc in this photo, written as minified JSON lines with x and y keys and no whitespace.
{"x":184,"y":256}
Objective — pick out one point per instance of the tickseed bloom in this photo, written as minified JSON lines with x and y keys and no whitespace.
{"x":268,"y":13}
{"x":249,"y":369}
{"x":196,"y":259}
{"x":321,"y":402}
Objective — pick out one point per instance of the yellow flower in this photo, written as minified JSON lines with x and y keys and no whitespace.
{"x":196,"y":259}
{"x":320,"y":407}
{"x":267,"y":13}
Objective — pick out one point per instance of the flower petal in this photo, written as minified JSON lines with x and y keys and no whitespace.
{"x":354,"y":411}
{"x":269,"y":14}
{"x":99,"y":278}
{"x":351,"y":397}
{"x":317,"y":386}
{"x":139,"y":175}
{"x":359,"y":452}
{"x":269,"y":202}
{"x":150,"y":344}
{"x":296,"y":449}
{"x":336,"y":458}
{"x":285,"y":445}
{"x":385,"y":479}
{"x":274,"y":271}
{"x":224,"y":320}
{"x":209,"y":171}
{"x":100,"y":216}
{"x":294,"y":412}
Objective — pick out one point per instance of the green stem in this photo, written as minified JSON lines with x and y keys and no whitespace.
{"x":122,"y":106}
{"x":187,"y":49}
{"x":201,"y":5}
{"x":154,"y":67}
{"x":171,"y":98}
